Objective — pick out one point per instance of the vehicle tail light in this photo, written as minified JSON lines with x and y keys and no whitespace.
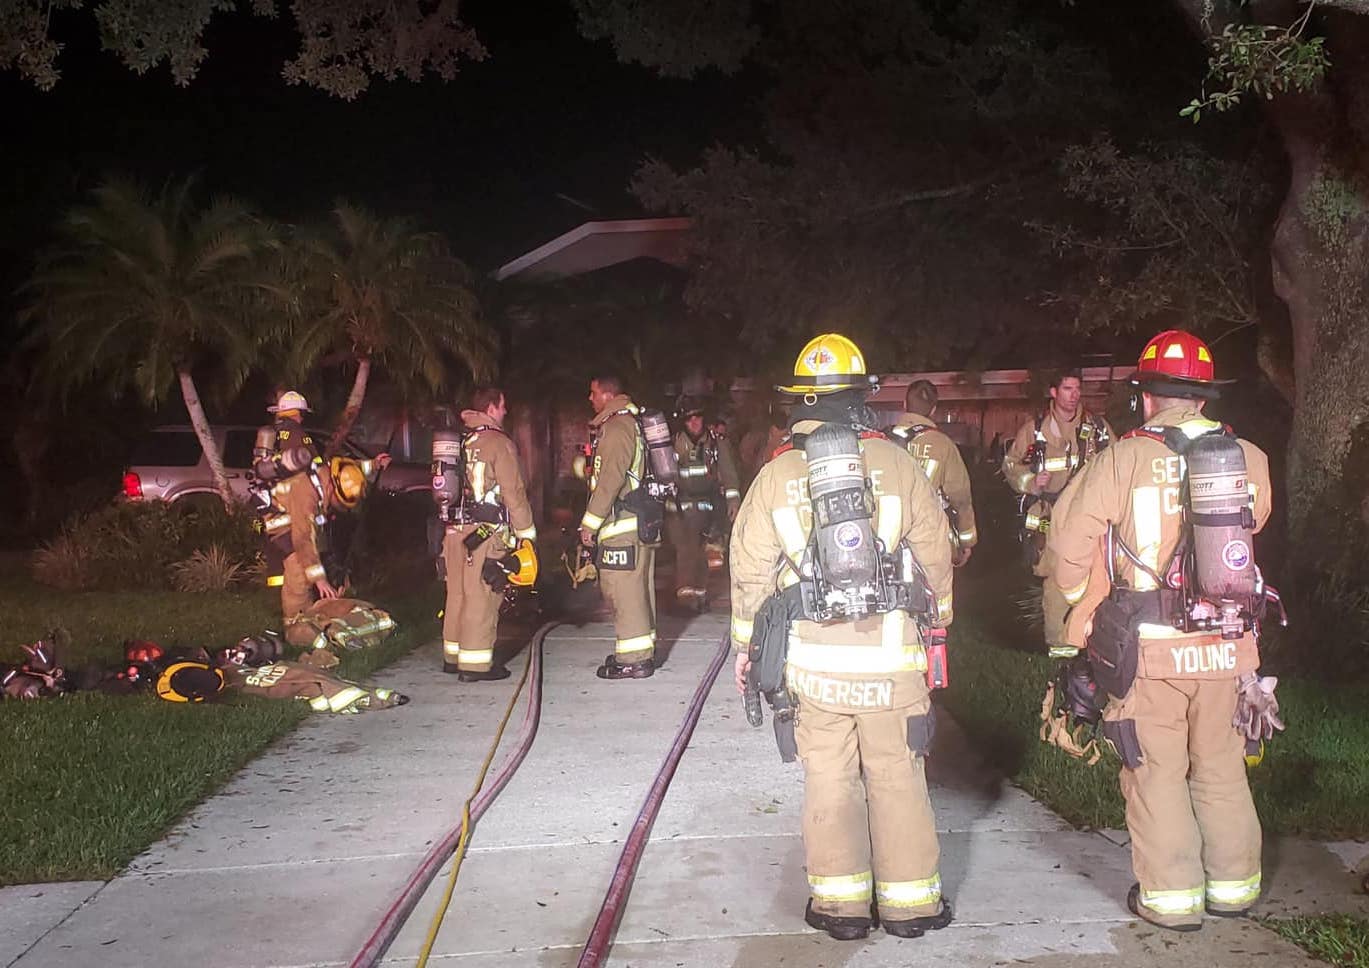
{"x":133,"y":486}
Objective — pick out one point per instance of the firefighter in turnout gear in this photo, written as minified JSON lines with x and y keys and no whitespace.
{"x":940,"y":460}
{"x":1179,"y":672}
{"x":708,"y":480}
{"x":294,"y":507}
{"x":1048,"y":451}
{"x":859,"y":680}
{"x":489,"y":517}
{"x":618,"y":524}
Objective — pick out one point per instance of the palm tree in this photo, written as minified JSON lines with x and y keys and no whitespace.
{"x":377,"y":291}
{"x":142,"y":290}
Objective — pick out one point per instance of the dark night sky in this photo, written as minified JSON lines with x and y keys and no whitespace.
{"x":480,"y":158}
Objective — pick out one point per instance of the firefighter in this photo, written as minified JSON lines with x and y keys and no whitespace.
{"x":298,"y":501}
{"x":1048,"y":450}
{"x":940,"y":460}
{"x":496,"y":507}
{"x":761,"y":441}
{"x":613,"y":522}
{"x":1195,"y":838}
{"x":863,"y":722}
{"x":730,"y":480}
{"x":707,"y":482}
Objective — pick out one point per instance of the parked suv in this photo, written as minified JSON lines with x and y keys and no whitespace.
{"x":169,"y":465}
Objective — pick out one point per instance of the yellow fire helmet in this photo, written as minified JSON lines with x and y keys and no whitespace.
{"x":828,"y":364}
{"x":525,"y":555}
{"x":1254,"y":757}
{"x":349,"y":481}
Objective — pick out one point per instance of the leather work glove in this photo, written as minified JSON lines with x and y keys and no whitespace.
{"x":1257,"y":711}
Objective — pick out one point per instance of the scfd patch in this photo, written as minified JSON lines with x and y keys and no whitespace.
{"x":266,"y":676}
{"x":623,"y":558}
{"x":853,"y":694}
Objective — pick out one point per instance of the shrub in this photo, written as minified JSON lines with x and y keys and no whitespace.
{"x":62,"y":563}
{"x":208,"y":523}
{"x":135,"y":544}
{"x":207,"y":571}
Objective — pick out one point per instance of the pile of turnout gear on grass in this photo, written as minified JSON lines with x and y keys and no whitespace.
{"x":256,"y":665}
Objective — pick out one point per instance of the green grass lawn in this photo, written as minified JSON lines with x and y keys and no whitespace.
{"x":1314,"y":780}
{"x":1341,"y":939}
{"x":90,"y":780}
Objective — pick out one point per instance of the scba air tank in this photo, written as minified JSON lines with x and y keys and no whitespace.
{"x":264,"y":447}
{"x":1223,"y":525}
{"x":270,"y":466}
{"x":447,"y":461}
{"x":842,"y":508}
{"x":659,"y":447}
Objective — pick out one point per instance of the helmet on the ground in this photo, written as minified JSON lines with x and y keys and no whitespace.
{"x":828,"y":364}
{"x":1177,"y":364}
{"x":141,"y":651}
{"x":289,"y":400}
{"x":349,"y":481}
{"x":253,"y":650}
{"x":189,"y":681}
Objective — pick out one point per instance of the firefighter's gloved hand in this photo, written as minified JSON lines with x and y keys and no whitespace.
{"x":1257,"y":711}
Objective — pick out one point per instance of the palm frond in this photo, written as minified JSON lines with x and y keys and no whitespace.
{"x":139,"y":284}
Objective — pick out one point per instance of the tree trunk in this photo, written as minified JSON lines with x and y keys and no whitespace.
{"x":1320,"y":237}
{"x":1318,"y":253}
{"x":200,"y":422}
{"x":353,"y":408}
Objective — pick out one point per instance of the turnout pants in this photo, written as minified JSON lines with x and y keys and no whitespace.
{"x":686,"y":533}
{"x":297,"y":591}
{"x":1053,"y":610}
{"x":1195,"y":838}
{"x":868,"y":829}
{"x":470,"y":621}
{"x":627,"y":578}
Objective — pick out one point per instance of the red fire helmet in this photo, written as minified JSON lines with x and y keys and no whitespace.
{"x":1177,"y":363}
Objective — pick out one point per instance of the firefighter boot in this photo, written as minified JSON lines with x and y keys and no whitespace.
{"x":485,"y":675}
{"x":1135,"y":906}
{"x":917,"y":927}
{"x":838,"y":928}
{"x":613,"y":669}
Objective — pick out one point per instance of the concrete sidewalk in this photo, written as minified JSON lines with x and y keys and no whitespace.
{"x":295,"y":860}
